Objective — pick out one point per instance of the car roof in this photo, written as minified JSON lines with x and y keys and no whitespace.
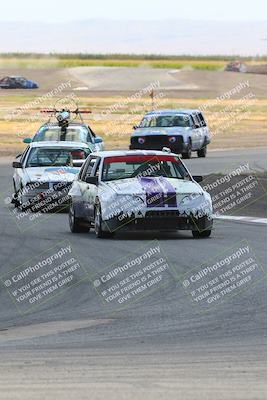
{"x":119,"y":153}
{"x":12,"y":77}
{"x":58,"y":144}
{"x":172,"y":112}
{"x":56,"y":125}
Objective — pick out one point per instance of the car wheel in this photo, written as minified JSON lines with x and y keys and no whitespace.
{"x":202,"y":152}
{"x":99,"y":225}
{"x":201,"y":235}
{"x":16,"y":197}
{"x":188,"y":153}
{"x":77,"y":225}
{"x":16,"y":202}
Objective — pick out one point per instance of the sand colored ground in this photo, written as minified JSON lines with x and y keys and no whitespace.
{"x":240,"y":121}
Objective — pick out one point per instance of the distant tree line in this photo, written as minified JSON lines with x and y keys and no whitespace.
{"x":149,"y":57}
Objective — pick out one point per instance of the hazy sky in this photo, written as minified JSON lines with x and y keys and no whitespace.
{"x":66,"y":10}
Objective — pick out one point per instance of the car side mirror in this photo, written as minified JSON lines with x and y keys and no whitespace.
{"x":16,"y":164}
{"x":198,"y":178}
{"x":197,"y":126}
{"x":135,"y":127}
{"x":98,"y":139}
{"x":27,"y":140}
{"x":93,"y":180}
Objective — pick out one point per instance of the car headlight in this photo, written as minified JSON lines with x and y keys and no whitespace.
{"x":189,"y":198}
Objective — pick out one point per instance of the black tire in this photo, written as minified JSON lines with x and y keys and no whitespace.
{"x":77,"y":225}
{"x":16,"y":201}
{"x":202,"y":152}
{"x":201,"y":235}
{"x":15,"y":198}
{"x":188,"y":153}
{"x":99,"y":224}
{"x":23,"y":207}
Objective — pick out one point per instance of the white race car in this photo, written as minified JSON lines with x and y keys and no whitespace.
{"x":132,"y":190}
{"x":45,"y":172}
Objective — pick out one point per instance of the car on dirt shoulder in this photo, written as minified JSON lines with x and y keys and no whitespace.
{"x":138,"y":190}
{"x":17,"y":82}
{"x":183,"y":131}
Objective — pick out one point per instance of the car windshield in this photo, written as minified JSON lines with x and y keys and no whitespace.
{"x":73,"y":134}
{"x":20,"y":79}
{"x":139,"y":166}
{"x":48,"y":157}
{"x":166,"y":121}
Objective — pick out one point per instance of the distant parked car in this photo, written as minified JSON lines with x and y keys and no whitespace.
{"x":17,"y":82}
{"x":183,"y":131}
{"x":236,"y":66}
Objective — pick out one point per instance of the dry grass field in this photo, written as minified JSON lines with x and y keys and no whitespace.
{"x":233,"y":123}
{"x":243,"y":128}
{"x":41,"y":61}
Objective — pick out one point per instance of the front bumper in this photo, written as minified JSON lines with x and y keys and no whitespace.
{"x":45,"y":200}
{"x":158,"y":220}
{"x":157,"y":142}
{"x":40,"y":202}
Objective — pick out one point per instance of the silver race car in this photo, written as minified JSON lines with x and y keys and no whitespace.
{"x":45,"y":172}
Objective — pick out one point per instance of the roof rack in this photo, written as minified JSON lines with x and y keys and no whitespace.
{"x":63,"y":116}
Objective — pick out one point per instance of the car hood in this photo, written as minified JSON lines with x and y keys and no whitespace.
{"x":51,"y":174}
{"x":32,"y":83}
{"x":138,"y":186}
{"x":160,"y":131}
{"x":140,"y":194}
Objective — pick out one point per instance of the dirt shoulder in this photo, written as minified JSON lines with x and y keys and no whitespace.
{"x":244,"y":195}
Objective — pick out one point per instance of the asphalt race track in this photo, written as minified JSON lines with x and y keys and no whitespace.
{"x":218,"y":161}
{"x":101,"y":81}
{"x":160,"y":347}
{"x":107,"y":78}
